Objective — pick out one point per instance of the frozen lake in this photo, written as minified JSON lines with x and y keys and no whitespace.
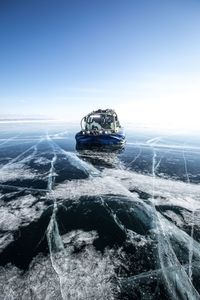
{"x":85,"y":224}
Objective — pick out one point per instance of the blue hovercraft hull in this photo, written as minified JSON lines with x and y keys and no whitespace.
{"x":101,"y":139}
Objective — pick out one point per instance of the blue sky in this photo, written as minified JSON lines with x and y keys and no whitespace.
{"x":65,"y":58}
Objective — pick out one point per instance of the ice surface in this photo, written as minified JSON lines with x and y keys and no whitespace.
{"x":97,"y":225}
{"x":88,"y":275}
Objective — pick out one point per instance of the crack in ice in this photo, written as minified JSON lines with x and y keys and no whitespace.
{"x":177,"y":281}
{"x":192,"y":221}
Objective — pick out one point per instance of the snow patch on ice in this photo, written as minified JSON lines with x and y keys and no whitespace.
{"x":88,"y":274}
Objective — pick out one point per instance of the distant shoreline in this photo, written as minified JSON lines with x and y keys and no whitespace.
{"x":25,"y":120}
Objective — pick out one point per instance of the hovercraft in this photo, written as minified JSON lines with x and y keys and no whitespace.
{"x":100,"y":128}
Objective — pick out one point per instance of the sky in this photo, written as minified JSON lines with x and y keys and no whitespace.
{"x":64,"y":58}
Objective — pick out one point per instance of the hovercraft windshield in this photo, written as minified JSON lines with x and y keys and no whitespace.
{"x":101,"y":120}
